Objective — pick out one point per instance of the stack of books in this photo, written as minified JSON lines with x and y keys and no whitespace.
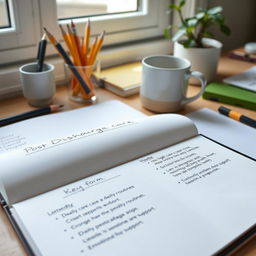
{"x":240,"y":54}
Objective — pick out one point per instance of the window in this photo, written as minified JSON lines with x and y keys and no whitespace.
{"x":146,"y":20}
{"x":70,"y":9}
{"x":19,"y":37}
{"x":133,"y":29}
{"x":5,"y":21}
{"x":136,"y":21}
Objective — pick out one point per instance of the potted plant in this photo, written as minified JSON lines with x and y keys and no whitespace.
{"x":193,"y":41}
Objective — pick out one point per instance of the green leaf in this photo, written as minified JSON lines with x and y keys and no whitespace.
{"x":225,"y":29}
{"x":200,"y":15}
{"x":215,"y":10}
{"x":167,"y":33}
{"x":208,"y":34}
{"x":219,"y":19}
{"x":189,"y":43}
{"x":182,"y":2}
{"x":174,"y":7}
{"x":178,"y":34}
{"x":190,"y":29}
{"x":192,"y":22}
{"x":185,"y":43}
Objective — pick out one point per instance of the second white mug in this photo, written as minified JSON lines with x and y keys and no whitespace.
{"x":164,"y":83}
{"x":38,"y":87}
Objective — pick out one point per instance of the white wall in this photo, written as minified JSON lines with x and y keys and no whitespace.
{"x":241,"y":18}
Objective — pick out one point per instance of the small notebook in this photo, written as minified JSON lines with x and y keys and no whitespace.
{"x":246,"y":80}
{"x":123,"y":80}
{"x":230,"y":94}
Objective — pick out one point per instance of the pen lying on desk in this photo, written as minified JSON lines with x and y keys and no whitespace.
{"x":30,"y":114}
{"x":237,"y":116}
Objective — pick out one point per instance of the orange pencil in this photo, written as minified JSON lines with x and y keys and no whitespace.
{"x":97,"y":48}
{"x":87,"y":32}
{"x":92,"y":50}
{"x":68,"y":43}
{"x":78,"y":61}
{"x":74,"y":46}
{"x":75,"y":85}
{"x":78,"y":44}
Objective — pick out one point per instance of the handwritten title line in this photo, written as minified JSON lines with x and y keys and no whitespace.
{"x":82,"y":137}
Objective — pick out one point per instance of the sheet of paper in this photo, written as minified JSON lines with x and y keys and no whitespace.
{"x":246,"y":80}
{"x":225,"y":130}
{"x":189,"y":199}
{"x":38,"y":129}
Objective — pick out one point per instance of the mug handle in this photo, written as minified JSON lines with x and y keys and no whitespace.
{"x":198,"y":75}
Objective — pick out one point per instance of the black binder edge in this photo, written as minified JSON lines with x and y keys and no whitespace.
{"x":16,"y":227}
{"x":236,"y":244}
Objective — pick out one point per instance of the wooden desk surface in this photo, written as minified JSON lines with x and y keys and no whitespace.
{"x":9,"y":242}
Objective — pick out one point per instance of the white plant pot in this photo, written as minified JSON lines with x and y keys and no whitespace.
{"x":204,"y":60}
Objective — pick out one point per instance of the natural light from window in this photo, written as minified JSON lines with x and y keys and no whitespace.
{"x":4,"y":14}
{"x":82,"y":8}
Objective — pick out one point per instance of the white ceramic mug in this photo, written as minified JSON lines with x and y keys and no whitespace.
{"x":38,"y":87}
{"x":164,"y":83}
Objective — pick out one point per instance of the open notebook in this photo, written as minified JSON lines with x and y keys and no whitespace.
{"x":143,"y":186}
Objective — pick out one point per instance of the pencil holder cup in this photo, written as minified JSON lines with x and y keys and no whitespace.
{"x":81,"y":82}
{"x":38,"y":87}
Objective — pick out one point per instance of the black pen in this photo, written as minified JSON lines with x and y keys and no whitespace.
{"x":30,"y":114}
{"x":237,"y":116}
{"x":41,"y":53}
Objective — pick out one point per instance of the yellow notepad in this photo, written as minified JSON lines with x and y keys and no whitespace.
{"x":123,"y":80}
